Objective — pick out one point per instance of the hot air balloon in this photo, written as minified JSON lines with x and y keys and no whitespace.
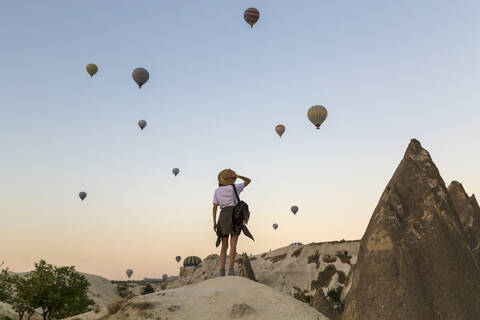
{"x":317,"y":114}
{"x":294,"y":209}
{"x":82,"y":195}
{"x":175,"y":171}
{"x":178,"y":258}
{"x":280,"y":129}
{"x":251,"y":16}
{"x":91,"y":69}
{"x":275,"y":226}
{"x":140,"y":76}
{"x":191,"y":261}
{"x":142,"y":124}
{"x":164,"y":277}
{"x":129,"y":273}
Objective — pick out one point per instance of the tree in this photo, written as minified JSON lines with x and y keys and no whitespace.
{"x":59,"y":292}
{"x":5,"y":286}
{"x":148,"y":289}
{"x":15,"y":291}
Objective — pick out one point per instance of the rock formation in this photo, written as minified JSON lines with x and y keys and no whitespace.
{"x":246,"y":270}
{"x":219,"y":298}
{"x":414,"y":262}
{"x":301,"y":270}
{"x":469,"y":214}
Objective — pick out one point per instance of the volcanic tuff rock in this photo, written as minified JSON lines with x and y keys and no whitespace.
{"x":293,"y":269}
{"x":469,"y":213}
{"x":414,"y":262}
{"x":219,"y":298}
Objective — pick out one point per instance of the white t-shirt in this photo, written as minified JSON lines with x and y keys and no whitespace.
{"x":225,"y":196}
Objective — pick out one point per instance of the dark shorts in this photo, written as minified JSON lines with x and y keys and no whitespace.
{"x":225,"y":222}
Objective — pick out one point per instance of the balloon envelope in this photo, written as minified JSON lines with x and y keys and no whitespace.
{"x":280,"y":129}
{"x":142,"y":124}
{"x":178,"y":258}
{"x":82,"y":195}
{"x":317,"y":114}
{"x":175,"y":171}
{"x":275,"y":226}
{"x":251,"y":16}
{"x":191,"y":261}
{"x":91,"y":69}
{"x":294,"y":209}
{"x":140,"y":76}
{"x":129,"y":273}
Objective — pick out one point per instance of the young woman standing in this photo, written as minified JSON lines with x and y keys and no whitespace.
{"x":225,"y":198}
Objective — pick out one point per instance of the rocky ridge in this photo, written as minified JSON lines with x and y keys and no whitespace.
{"x":292,"y":269}
{"x":469,"y":214}
{"x":414,"y":260}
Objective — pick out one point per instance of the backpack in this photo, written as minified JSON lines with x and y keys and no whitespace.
{"x":241,"y":215}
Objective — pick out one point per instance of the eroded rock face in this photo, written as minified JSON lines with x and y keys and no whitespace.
{"x":469,"y":214}
{"x":414,"y":262}
{"x":291,"y":269}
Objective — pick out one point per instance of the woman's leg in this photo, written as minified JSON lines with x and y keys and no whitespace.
{"x":223,"y":252}
{"x":233,"y":249}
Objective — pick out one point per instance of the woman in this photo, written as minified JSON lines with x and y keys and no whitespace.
{"x":225,"y":198}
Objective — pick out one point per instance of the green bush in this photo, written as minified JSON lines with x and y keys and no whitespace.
{"x":148,"y":289}
{"x":59,"y":292}
{"x":302,"y":297}
{"x":334,"y":295}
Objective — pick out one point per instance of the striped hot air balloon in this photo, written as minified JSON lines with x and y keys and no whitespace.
{"x":191,"y":261}
{"x":251,"y":15}
{"x":317,"y":114}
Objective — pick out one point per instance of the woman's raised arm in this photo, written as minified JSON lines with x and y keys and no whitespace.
{"x":245,"y":179}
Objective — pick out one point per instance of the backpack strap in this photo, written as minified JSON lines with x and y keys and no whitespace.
{"x":236,"y":194}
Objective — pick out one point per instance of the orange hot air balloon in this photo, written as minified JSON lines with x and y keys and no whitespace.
{"x":280,"y":129}
{"x":251,"y":16}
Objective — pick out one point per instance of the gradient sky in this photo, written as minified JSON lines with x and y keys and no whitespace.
{"x":387,"y":71}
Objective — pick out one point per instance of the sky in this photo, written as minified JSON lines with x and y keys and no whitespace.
{"x":387,"y":71}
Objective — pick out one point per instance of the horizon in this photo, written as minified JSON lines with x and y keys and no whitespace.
{"x":386,"y":72}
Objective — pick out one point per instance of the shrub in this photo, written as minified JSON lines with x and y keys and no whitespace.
{"x":334,"y":295}
{"x":302,"y":297}
{"x":148,"y":289}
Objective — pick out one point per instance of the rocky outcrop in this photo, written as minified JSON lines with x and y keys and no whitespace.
{"x":414,"y":262}
{"x":469,"y":214}
{"x":219,"y":298}
{"x":246,"y":269}
{"x":292,"y":269}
